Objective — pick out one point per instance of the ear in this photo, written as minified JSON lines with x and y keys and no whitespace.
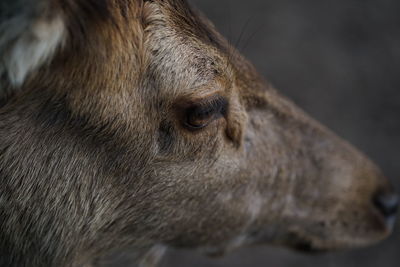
{"x":30,"y":32}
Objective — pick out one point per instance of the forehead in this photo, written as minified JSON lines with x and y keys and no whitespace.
{"x":184,"y":51}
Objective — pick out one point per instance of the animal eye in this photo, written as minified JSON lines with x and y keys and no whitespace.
{"x":202,"y":114}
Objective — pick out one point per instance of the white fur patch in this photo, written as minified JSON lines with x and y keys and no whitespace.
{"x":153,"y":256}
{"x":26,"y":45}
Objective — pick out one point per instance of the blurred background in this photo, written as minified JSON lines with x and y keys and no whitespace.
{"x":338,"y":60}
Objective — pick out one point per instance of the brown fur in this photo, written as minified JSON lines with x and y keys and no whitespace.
{"x":95,"y":158}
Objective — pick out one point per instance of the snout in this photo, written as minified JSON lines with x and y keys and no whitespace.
{"x":387,"y":204}
{"x":332,"y":195}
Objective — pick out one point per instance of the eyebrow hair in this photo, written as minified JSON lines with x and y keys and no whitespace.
{"x":214,"y":102}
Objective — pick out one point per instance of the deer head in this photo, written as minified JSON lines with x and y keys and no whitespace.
{"x":135,"y":125}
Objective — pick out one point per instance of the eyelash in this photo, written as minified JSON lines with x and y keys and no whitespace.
{"x":208,"y":110}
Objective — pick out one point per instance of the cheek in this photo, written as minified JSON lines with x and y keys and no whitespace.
{"x":205,"y":207}
{"x":205,"y":220}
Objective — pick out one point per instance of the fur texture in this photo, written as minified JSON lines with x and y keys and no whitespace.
{"x":117,"y":145}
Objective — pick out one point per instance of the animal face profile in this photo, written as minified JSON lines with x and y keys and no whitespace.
{"x":135,"y":126}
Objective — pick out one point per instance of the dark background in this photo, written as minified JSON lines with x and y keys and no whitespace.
{"x":338,"y":60}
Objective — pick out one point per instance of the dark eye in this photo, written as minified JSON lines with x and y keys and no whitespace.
{"x":201,"y":114}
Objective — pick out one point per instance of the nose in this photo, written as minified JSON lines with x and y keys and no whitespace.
{"x":387,"y":204}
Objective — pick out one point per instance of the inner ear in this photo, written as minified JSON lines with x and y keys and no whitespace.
{"x":32,"y":31}
{"x":28,"y":38}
